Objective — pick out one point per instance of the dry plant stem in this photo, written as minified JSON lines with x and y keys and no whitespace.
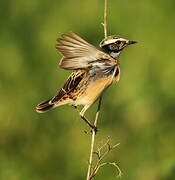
{"x":93,"y":141}
{"x":108,"y":163}
{"x":89,"y":177}
{"x":105,"y":18}
{"x":101,"y":157}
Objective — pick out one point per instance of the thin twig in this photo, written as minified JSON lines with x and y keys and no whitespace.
{"x":109,"y":163}
{"x":105,"y":18}
{"x":101,"y":156}
{"x":89,"y":177}
{"x":93,"y":140}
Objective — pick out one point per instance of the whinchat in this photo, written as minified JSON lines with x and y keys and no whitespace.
{"x":94,"y":70}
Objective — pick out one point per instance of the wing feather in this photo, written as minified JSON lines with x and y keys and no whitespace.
{"x":72,"y":82}
{"x":77,"y":53}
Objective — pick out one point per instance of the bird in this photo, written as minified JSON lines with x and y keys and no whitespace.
{"x":94,"y":70}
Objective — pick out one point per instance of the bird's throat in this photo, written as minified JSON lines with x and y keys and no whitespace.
{"x":114,"y":54}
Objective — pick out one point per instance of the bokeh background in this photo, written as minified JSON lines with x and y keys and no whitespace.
{"x":138,"y":112}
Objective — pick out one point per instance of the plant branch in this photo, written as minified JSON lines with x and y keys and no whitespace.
{"x":105,"y":19}
{"x":100,"y":156}
{"x":93,"y":140}
{"x":89,"y":173}
{"x":119,"y":172}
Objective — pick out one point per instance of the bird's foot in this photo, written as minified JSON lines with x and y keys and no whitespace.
{"x":93,"y":129}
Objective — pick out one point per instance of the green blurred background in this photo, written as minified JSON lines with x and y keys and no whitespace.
{"x":138,"y":112}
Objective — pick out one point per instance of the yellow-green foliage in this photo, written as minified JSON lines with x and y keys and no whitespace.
{"x":138,"y":112}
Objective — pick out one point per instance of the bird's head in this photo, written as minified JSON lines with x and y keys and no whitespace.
{"x":113,"y":45}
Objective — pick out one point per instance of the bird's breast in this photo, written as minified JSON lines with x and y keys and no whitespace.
{"x":93,"y":90}
{"x":95,"y":84}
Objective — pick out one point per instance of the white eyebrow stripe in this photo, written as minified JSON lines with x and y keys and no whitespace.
{"x":110,"y":41}
{"x":121,"y":39}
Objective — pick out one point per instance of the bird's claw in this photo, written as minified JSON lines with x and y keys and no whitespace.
{"x":93,"y":128}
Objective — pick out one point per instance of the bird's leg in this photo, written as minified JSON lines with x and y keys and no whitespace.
{"x":85,"y":119}
{"x":94,"y":128}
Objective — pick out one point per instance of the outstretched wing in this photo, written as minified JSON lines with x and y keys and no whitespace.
{"x":78,"y":54}
{"x":71,"y":83}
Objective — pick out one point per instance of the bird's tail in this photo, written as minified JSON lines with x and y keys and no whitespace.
{"x":44,"y":106}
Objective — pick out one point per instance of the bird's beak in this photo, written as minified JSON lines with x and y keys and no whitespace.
{"x":131,"y":42}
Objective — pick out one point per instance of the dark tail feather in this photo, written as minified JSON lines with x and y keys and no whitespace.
{"x":44,"y":106}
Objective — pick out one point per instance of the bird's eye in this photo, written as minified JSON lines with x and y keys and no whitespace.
{"x":118,"y":42}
